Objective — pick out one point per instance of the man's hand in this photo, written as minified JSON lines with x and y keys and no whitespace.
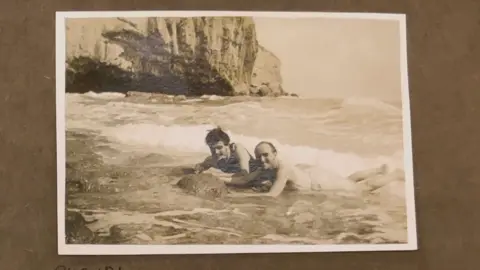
{"x":246,"y":195}
{"x":198,"y":169}
{"x":263,"y":187}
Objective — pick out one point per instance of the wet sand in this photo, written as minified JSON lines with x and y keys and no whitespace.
{"x":136,"y":201}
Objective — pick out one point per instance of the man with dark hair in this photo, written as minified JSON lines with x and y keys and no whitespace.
{"x":228,"y":157}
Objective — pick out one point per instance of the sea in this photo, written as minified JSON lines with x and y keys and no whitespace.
{"x":130,"y":151}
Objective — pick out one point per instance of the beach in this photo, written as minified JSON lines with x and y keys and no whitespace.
{"x":129,"y":153}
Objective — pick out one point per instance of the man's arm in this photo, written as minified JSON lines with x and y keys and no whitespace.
{"x":279,"y":183}
{"x":242,"y":180}
{"x":277,"y":188}
{"x":204,"y":165}
{"x":243,"y":158}
{"x":234,"y":179}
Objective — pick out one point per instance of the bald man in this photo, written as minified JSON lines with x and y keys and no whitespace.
{"x":283,"y":175}
{"x":280,"y":174}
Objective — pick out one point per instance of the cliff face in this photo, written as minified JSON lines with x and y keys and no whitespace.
{"x":195,"y":56}
{"x":266,"y":76}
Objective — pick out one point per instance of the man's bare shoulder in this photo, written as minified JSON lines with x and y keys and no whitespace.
{"x":240,"y":149}
{"x":239,"y":146}
{"x":285,"y":162}
{"x":285,"y":165}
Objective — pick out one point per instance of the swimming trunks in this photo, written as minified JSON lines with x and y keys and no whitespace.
{"x":232,"y":164}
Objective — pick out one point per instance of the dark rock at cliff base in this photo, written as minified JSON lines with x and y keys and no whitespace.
{"x":203,"y":185}
{"x":263,"y":91}
{"x":179,"y":56}
{"x":154,"y":97}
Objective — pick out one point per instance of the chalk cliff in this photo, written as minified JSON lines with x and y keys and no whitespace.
{"x":266,"y":76}
{"x":183,"y":56}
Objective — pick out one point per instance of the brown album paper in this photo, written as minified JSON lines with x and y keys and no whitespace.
{"x":441,"y":40}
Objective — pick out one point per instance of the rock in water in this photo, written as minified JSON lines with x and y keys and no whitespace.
{"x":191,"y":55}
{"x":203,"y":185}
{"x":76,"y":230}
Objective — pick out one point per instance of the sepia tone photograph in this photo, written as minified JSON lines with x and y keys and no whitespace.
{"x":190,"y":132}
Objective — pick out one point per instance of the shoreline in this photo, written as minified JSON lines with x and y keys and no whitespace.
{"x":146,"y":209}
{"x":181,"y":96}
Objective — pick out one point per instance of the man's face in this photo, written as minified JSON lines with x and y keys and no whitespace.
{"x":219,"y":150}
{"x":265,"y":155}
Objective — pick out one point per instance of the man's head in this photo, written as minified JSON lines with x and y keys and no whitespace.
{"x":266,"y":154}
{"x":218,"y":141}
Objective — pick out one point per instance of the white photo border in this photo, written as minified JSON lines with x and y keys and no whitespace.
{"x":76,"y":249}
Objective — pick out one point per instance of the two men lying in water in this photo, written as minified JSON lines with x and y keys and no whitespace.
{"x":232,"y":163}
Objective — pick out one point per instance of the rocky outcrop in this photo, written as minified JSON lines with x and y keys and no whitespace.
{"x":203,"y":185}
{"x":266,"y":76}
{"x":187,"y":56}
{"x":76,"y":230}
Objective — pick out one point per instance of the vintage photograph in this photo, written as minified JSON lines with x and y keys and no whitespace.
{"x":189,"y":132}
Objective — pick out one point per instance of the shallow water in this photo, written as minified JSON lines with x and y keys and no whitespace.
{"x":129,"y":155}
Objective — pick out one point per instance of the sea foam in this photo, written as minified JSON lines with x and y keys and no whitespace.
{"x":190,"y":140}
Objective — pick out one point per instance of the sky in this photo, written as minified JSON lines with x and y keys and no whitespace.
{"x":329,"y":57}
